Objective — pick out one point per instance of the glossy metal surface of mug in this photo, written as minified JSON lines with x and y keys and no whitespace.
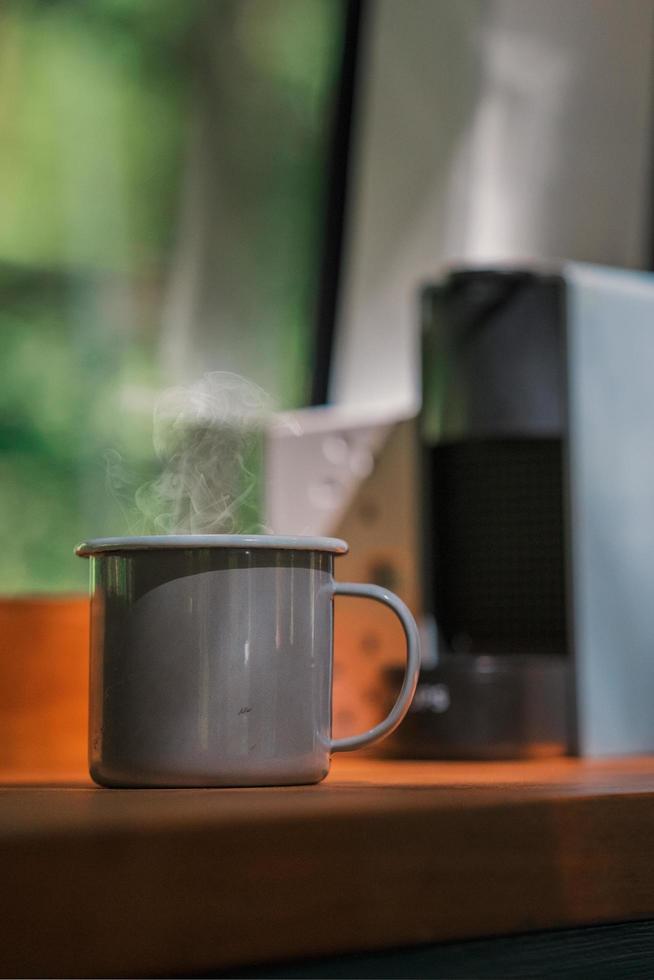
{"x":211,"y":660}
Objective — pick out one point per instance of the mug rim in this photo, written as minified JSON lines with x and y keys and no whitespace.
{"x":164,"y":542}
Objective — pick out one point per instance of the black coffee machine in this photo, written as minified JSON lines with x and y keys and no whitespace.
{"x":536,"y":467}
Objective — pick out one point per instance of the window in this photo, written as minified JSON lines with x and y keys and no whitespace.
{"x":161,"y":209}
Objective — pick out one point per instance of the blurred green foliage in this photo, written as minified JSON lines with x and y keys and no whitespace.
{"x":92,"y":98}
{"x":98,"y":104}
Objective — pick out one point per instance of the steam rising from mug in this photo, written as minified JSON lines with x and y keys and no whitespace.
{"x":207,"y":441}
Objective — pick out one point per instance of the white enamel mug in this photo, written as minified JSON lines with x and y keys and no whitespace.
{"x":211,"y":659}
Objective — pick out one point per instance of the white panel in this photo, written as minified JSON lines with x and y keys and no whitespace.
{"x":489,"y":130}
{"x":611,"y":457}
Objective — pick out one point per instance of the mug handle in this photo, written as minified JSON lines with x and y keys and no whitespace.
{"x":401,"y":706}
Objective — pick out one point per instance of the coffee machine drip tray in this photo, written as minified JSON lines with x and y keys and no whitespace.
{"x":486,"y":707}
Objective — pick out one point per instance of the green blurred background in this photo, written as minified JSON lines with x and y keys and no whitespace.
{"x":162,"y":172}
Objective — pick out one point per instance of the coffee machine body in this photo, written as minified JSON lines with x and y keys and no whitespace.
{"x":537,"y":434}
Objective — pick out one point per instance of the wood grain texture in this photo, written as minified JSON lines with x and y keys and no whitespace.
{"x":111,"y":882}
{"x":44,"y":680}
